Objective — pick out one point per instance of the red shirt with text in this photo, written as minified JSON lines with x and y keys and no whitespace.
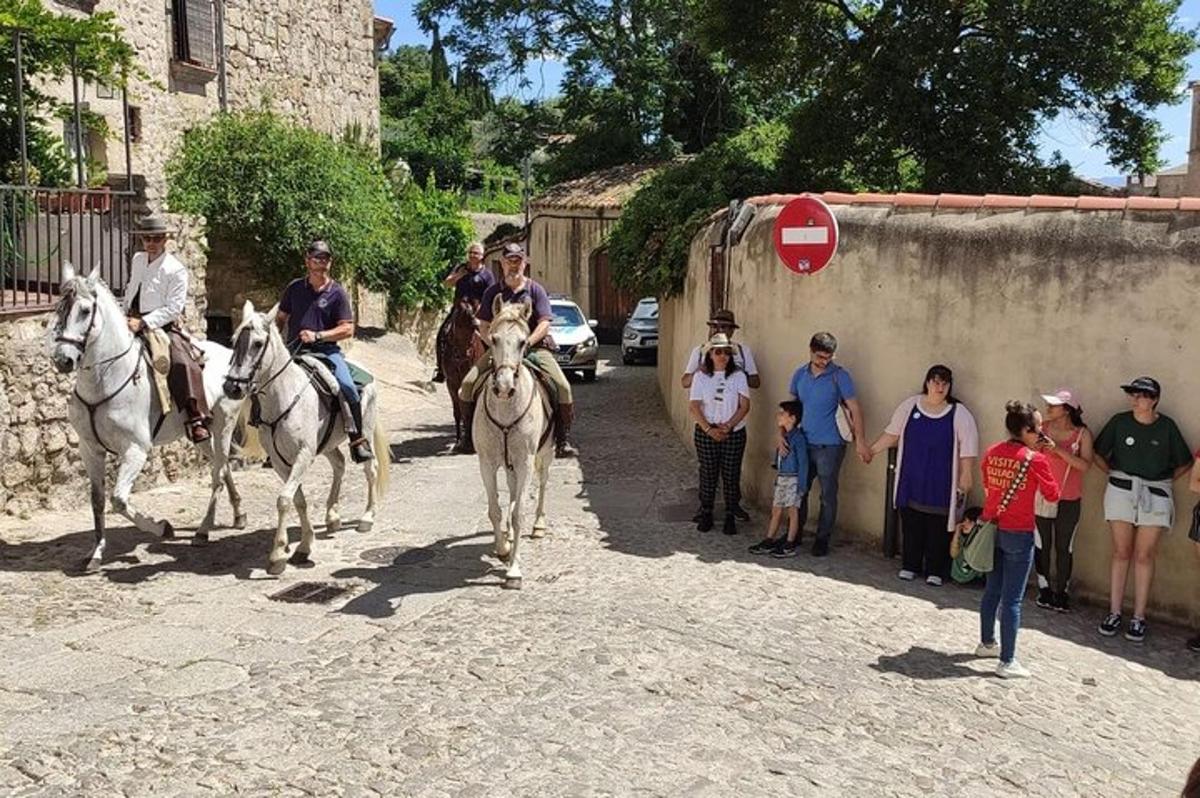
{"x":1000,"y":466}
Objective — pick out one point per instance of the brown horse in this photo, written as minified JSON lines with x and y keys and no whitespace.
{"x":458,"y":357}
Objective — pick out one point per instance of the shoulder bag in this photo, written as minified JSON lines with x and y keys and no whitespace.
{"x":978,"y":552}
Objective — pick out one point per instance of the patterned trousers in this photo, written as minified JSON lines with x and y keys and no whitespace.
{"x":720,"y":460}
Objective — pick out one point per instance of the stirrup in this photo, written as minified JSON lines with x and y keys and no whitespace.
{"x":360,"y":450}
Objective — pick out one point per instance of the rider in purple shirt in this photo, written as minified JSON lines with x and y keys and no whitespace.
{"x":469,"y":280}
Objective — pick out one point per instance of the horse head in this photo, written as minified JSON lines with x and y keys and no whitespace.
{"x":251,"y":342}
{"x":74,"y":323}
{"x":509,"y":334}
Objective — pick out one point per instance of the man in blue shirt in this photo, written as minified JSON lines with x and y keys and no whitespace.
{"x":315,"y":311}
{"x":469,"y":280}
{"x":823,"y":387}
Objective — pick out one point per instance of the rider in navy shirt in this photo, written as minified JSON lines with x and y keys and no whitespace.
{"x":470,"y":280}
{"x":316,"y":312}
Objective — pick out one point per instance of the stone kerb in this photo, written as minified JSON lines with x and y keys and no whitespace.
{"x":1018,"y":301}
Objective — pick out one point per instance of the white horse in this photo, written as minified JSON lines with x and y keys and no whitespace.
{"x":298,"y":425}
{"x":512,"y":431}
{"x":115,"y":408}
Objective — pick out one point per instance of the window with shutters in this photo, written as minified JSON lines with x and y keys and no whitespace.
{"x":194,"y":32}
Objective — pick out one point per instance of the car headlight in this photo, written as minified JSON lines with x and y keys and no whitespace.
{"x":590,"y":343}
{"x":630,"y":335}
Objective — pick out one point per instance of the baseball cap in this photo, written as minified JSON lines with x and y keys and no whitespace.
{"x":1144,"y":385}
{"x":513,"y":250}
{"x":1063,"y":396}
{"x":319,"y":247}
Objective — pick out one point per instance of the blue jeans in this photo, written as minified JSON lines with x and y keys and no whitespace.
{"x":824,"y":463}
{"x":1005,"y":590}
{"x":341,"y":372}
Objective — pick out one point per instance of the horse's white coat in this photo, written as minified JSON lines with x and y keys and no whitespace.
{"x":267,"y":367}
{"x":89,"y":335}
{"x":514,"y":401}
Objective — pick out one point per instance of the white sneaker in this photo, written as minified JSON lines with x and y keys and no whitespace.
{"x":907,"y":575}
{"x":987,"y":649}
{"x":936,"y":581}
{"x":1012,"y":670}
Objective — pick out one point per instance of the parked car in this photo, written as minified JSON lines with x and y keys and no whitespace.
{"x":640,"y":337}
{"x":575,"y":336}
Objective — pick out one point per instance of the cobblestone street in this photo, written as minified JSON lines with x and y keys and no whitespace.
{"x":640,"y":658}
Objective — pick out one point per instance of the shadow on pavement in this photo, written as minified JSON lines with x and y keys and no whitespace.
{"x":925,"y":663}
{"x":425,"y":440}
{"x":639,"y":480}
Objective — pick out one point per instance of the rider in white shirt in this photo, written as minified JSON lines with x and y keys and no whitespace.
{"x":154,"y":300}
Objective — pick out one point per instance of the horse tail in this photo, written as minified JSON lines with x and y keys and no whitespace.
{"x":252,"y":450}
{"x":383,"y":457}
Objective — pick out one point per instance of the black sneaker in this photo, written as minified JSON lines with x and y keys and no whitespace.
{"x":764,"y":546}
{"x":1045,"y":598}
{"x":786,"y":549}
{"x":730,"y":527}
{"x":820,"y":548}
{"x":705,"y":522}
{"x":740,"y":514}
{"x":1111,"y":624}
{"x":1194,"y":644}
{"x":1136,"y":631}
{"x":696,"y":518}
{"x":1062,"y":602}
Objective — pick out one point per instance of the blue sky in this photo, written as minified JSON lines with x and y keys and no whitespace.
{"x":1069,"y":136}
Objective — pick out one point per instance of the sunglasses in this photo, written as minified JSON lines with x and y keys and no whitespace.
{"x":1140,"y":395}
{"x":320,"y":256}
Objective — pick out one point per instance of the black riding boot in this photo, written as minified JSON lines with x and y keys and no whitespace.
{"x":562,"y":446}
{"x":466,"y":444}
{"x":360,"y":448}
{"x":438,"y":349}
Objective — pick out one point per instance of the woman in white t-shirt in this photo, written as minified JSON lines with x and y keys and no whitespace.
{"x":720,"y":401}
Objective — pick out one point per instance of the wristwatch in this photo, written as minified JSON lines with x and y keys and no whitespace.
{"x":320,"y":335}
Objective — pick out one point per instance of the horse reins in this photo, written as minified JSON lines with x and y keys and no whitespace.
{"x":506,"y":429}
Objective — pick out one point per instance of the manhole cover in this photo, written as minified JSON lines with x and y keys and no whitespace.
{"x":310,"y":593}
{"x":397,"y":555}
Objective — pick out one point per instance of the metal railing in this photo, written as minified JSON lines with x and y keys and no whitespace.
{"x":41,"y":229}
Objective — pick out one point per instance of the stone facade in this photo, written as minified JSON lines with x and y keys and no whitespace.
{"x":308,"y":59}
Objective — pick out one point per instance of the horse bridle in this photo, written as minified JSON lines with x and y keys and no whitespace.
{"x":256,"y":389}
{"x":81,"y":343}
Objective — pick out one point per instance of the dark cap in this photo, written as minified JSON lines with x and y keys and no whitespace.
{"x":1143,"y":385}
{"x":513,"y":250}
{"x":723,"y":317}
{"x":319,"y":247}
{"x":152,"y":226}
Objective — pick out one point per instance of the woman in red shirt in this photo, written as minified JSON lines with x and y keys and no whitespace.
{"x":1013,"y":472}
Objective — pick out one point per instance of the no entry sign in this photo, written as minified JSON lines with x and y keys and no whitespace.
{"x":806,"y":235}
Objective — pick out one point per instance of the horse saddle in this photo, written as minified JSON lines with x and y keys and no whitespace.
{"x":320,"y":373}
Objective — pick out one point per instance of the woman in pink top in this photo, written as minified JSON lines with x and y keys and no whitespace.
{"x":1070,"y":456}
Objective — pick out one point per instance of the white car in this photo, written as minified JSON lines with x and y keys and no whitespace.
{"x":576,"y":338}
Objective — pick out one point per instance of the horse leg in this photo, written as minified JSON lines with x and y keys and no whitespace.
{"x":94,"y":461}
{"x":225,"y":424}
{"x":235,"y":499}
{"x":276,"y":561}
{"x":371,"y":468}
{"x":333,"y":518}
{"x":500,"y":545}
{"x":216,"y":471}
{"x":541,"y":464}
{"x":518,"y":476}
{"x":130,"y":465}
{"x":301,"y":555}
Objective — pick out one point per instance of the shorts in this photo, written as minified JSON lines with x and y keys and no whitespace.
{"x":787,"y":491}
{"x":1139,"y":501}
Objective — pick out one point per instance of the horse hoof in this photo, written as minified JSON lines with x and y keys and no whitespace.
{"x":365,"y":526}
{"x":333,"y":526}
{"x":276,"y":567}
{"x":538,"y":532}
{"x":239,"y":521}
{"x":300,"y":558}
{"x":90,"y":566}
{"x":168,"y":531}
{"x":200,"y":539}
{"x":512,"y":583}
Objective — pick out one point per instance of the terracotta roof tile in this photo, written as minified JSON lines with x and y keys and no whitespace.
{"x":1005,"y":201}
{"x":969,"y":201}
{"x":959,"y":201}
{"x":1101,"y":204}
{"x":1052,"y":201}
{"x":1152,"y":204}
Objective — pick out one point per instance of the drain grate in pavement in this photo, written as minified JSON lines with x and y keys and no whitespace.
{"x":397,"y":555}
{"x":310,"y":593}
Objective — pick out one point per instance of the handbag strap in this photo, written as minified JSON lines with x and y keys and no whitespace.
{"x":1015,"y":484}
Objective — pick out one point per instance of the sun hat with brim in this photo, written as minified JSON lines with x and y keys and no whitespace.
{"x":1063,"y":396}
{"x":152,"y":226}
{"x":723,"y":317}
{"x":1143,"y":385}
{"x":718,"y":341}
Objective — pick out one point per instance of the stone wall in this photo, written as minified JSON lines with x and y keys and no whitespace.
{"x":1016,"y":302}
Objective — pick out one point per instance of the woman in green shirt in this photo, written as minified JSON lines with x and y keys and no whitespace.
{"x":1143,"y":452}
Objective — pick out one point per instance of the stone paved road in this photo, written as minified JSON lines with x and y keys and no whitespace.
{"x":640,"y":659}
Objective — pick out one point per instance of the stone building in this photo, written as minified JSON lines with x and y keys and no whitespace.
{"x":1181,"y":180}
{"x":313,"y":60}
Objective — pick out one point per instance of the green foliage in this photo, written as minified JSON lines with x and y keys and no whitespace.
{"x":48,"y":40}
{"x":273,"y":186}
{"x":650,"y":243}
{"x":434,"y":235}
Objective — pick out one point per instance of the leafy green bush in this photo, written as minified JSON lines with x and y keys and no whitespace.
{"x":434,"y":235}
{"x":650,"y":243}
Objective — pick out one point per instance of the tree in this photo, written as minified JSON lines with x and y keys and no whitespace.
{"x":48,"y":41}
{"x":950,"y":95}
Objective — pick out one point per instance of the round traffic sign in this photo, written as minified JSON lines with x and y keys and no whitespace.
{"x":806,"y":235}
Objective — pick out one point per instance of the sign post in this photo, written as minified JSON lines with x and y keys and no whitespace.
{"x":806,"y":235}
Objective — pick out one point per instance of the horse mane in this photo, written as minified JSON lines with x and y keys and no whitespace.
{"x":510,"y":313}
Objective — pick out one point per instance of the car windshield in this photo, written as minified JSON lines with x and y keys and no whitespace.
{"x":645,"y":310}
{"x":566,"y":316}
